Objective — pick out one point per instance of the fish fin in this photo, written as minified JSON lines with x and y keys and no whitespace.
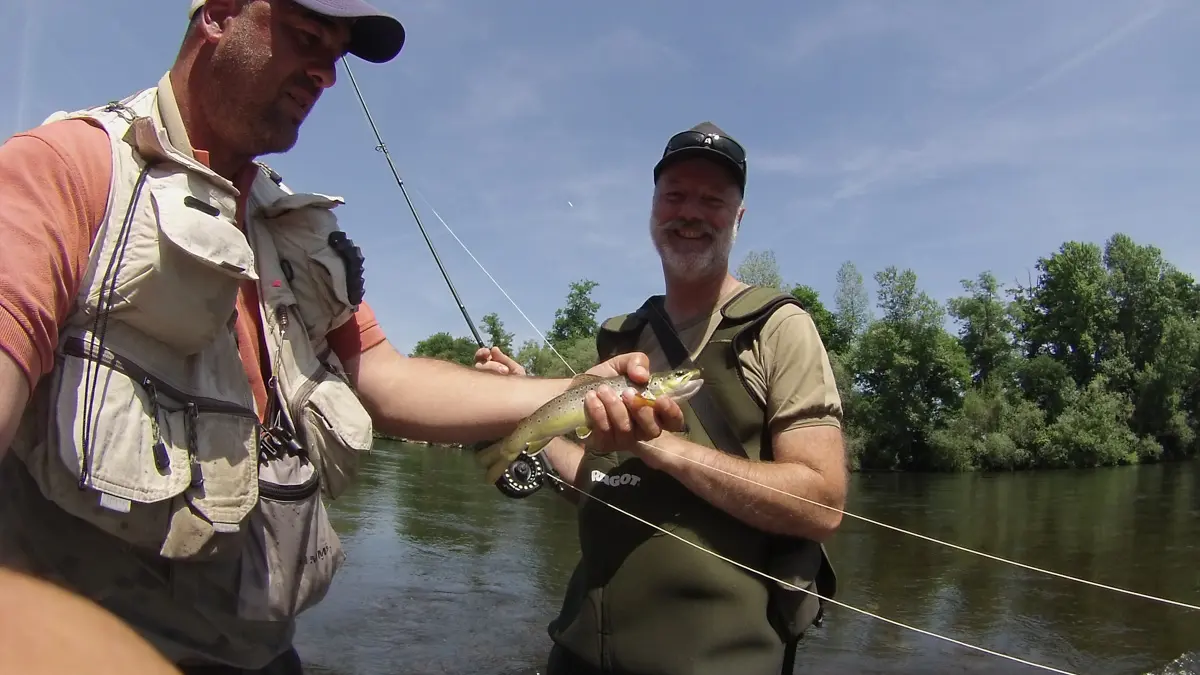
{"x":582,"y":432}
{"x":487,"y":456}
{"x":584,"y":378}
{"x":644,"y":399}
{"x":536,"y":446}
{"x":502,"y":460}
{"x":496,"y":471}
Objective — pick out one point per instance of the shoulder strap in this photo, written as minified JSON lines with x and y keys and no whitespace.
{"x":710,"y":416}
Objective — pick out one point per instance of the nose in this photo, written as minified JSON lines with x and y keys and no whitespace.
{"x":690,"y":209}
{"x":324,"y":76}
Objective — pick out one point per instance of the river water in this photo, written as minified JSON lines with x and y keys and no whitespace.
{"x":446,"y":575}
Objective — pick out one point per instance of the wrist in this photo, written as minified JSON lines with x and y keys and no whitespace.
{"x":668,"y":453}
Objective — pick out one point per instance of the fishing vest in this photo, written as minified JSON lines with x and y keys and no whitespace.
{"x":642,"y":601}
{"x":147,"y":429}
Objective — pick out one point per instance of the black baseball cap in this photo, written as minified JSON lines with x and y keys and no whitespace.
{"x":705,"y":140}
{"x":375,"y":36}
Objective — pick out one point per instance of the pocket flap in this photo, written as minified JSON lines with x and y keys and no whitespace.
{"x":194,"y":227}
{"x":300,"y":200}
{"x":342,"y":414}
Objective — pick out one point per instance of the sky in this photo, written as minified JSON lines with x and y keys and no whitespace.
{"x":947,"y":137}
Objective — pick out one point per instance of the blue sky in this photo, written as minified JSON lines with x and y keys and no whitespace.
{"x":949,"y":137}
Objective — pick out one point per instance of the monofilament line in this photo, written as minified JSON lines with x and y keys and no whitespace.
{"x":894,"y":528}
{"x":931,"y":539}
{"x":831,"y":601}
{"x":497,"y":283}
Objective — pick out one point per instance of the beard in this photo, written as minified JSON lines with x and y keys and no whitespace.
{"x":249,"y":116}
{"x":701,"y":255}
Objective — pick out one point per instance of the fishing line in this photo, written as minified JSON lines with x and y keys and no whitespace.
{"x":382,"y":147}
{"x":831,"y":601}
{"x":826,"y":506}
{"x":497,"y":283}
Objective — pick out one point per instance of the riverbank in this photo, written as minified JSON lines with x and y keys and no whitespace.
{"x":397,"y":439}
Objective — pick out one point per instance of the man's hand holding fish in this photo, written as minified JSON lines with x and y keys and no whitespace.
{"x":612,"y":406}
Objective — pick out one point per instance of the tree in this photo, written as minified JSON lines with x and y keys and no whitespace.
{"x":578,"y":318}
{"x":987,"y":327}
{"x":852,"y":305}
{"x":759,"y":268}
{"x":446,"y":347}
{"x":497,"y":336}
{"x":826,"y":323}
{"x":911,"y":372}
{"x":1095,"y":362}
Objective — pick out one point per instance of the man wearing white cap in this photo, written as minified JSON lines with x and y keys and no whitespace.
{"x":187,"y":365}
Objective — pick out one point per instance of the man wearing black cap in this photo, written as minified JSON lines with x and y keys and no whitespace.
{"x":766,"y":425}
{"x":187,"y":363}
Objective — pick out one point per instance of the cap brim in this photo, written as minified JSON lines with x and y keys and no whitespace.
{"x":704,"y":153}
{"x":377,"y":36}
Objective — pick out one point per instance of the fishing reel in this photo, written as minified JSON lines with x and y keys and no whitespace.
{"x":526,"y":475}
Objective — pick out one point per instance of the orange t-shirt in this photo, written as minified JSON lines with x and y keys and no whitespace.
{"x":54,"y":183}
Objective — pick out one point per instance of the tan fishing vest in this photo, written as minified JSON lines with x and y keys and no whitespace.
{"x":147,"y":428}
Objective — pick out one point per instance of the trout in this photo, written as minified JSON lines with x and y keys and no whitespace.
{"x":565,"y":413}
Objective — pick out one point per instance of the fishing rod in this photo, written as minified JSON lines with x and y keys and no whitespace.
{"x":382,"y":147}
{"x":525,"y":475}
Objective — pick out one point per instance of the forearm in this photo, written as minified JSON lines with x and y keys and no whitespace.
{"x":438,"y":401}
{"x":565,"y":457}
{"x":757,"y":493}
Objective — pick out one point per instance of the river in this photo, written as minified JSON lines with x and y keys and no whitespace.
{"x":446,"y":575}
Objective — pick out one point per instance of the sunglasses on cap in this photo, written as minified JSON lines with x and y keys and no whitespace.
{"x":698,"y":139}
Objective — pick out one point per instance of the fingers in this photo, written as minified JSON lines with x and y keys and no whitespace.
{"x":634,"y":365}
{"x":619,"y":421}
{"x":495,"y":360}
{"x":510,"y":363}
{"x":669,"y":415}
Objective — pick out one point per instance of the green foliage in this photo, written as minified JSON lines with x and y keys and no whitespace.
{"x":1095,"y":362}
{"x":578,"y":318}
{"x":759,"y":268}
{"x":446,"y":347}
{"x":493,"y":327}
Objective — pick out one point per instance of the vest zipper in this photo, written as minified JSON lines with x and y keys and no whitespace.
{"x":75,"y":347}
{"x":193,"y":405}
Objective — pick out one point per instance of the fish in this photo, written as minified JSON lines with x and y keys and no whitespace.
{"x":565,"y":413}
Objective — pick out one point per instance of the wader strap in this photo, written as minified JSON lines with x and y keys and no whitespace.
{"x":706,"y":409}
{"x":715,"y":423}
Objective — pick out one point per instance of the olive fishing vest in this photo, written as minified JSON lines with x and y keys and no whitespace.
{"x":147,"y":429}
{"x":640,"y":601}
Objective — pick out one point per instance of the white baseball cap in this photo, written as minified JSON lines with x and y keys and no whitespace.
{"x":375,"y":36}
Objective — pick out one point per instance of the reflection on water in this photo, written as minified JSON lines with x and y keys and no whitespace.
{"x":446,"y":575}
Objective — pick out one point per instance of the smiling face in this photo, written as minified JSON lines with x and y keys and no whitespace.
{"x":693,"y":220}
{"x":269,"y":63}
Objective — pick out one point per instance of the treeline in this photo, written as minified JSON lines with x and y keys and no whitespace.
{"x":1095,"y":362}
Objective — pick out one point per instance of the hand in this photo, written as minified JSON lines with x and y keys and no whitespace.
{"x":495,"y":360}
{"x":619,"y":421}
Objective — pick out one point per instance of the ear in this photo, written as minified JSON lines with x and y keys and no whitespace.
{"x":213,"y":18}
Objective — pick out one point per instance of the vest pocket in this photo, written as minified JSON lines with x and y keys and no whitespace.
{"x":162,"y":469}
{"x":181,"y":267}
{"x":292,"y":552}
{"x":335,"y":427}
{"x":300,"y":226}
